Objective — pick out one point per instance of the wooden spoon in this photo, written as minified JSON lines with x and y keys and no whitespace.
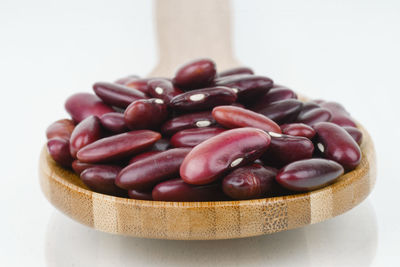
{"x":187,"y":30}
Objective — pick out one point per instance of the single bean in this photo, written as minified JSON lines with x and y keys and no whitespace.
{"x":85,"y":133}
{"x":283,"y":111}
{"x":146,"y":173}
{"x":355,"y":133}
{"x":142,"y":195}
{"x":253,"y":181}
{"x":274,"y":95}
{"x":235,"y":117}
{"x":195,"y":74}
{"x":187,"y":121}
{"x":118,"y":146}
{"x":163,"y":89}
{"x":58,"y":149}
{"x":203,"y":99}
{"x":127,"y":79}
{"x":114,"y":122}
{"x":193,"y":137}
{"x":178,"y":190}
{"x":116,"y":94}
{"x":146,"y":114}
{"x":340,"y":115}
{"x":226,"y":151}
{"x":309,"y":174}
{"x":234,"y":71}
{"x":338,"y":145}
{"x":101,"y":179}
{"x":79,"y":167}
{"x":83,"y":105}
{"x":61,"y":128}
{"x":285,"y":149}
{"x":315,"y":116}
{"x":298,"y":129}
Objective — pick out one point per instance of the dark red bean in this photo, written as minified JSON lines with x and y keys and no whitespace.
{"x":83,"y":105}
{"x":234,"y":71}
{"x":187,"y":121}
{"x":195,"y":74}
{"x":285,"y":149}
{"x":226,"y":151}
{"x":178,"y":190}
{"x":116,"y":94}
{"x":139,"y":84}
{"x":337,"y":144}
{"x":58,"y":149}
{"x":203,"y":99}
{"x":163,"y":89}
{"x":274,"y":95}
{"x":298,"y":129}
{"x":79,"y":167}
{"x":248,"y":87}
{"x":355,"y":133}
{"x":253,"y":181}
{"x":143,"y":155}
{"x":146,"y":114}
{"x":309,"y":174}
{"x":61,"y":128}
{"x":142,"y":195}
{"x":101,"y":179}
{"x":145,"y":173}
{"x":193,"y":137}
{"x":118,"y":146}
{"x":127,"y":79}
{"x":315,"y":116}
{"x":283,"y":111}
{"x":308,"y":106}
{"x":114,"y":122}
{"x":235,"y":117}
{"x":340,"y":115}
{"x":85,"y":133}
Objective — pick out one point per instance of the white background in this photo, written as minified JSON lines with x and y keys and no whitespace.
{"x":347,"y":51}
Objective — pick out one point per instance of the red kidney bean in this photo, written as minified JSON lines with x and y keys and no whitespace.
{"x":143,"y":155}
{"x":253,"y":181}
{"x":114,"y":122}
{"x":195,"y":74}
{"x":298,"y":129}
{"x":101,"y":179}
{"x":127,"y":79}
{"x":178,"y":190}
{"x":187,"y":121}
{"x":193,"y":137}
{"x":116,"y":94}
{"x":58,"y":149}
{"x":203,"y":99}
{"x":274,"y":95}
{"x":163,"y":89}
{"x":61,"y":128}
{"x":340,"y":116}
{"x":285,"y":149}
{"x":337,"y":144}
{"x":309,"y":174}
{"x":314,"y":116}
{"x":142,"y":195}
{"x":86,"y":132}
{"x":248,"y":87}
{"x":146,"y":114}
{"x":226,"y":151}
{"x":83,"y":105}
{"x":234,"y":71}
{"x":283,"y":111}
{"x":355,"y":133}
{"x":235,"y":117}
{"x":79,"y":167}
{"x":145,"y":173}
{"x":118,"y":146}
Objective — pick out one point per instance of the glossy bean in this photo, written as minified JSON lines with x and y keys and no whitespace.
{"x":355,"y":133}
{"x":58,"y":149}
{"x":309,"y":174}
{"x":336,"y":143}
{"x":187,"y":121}
{"x":146,"y":114}
{"x":101,"y":179}
{"x":274,"y":95}
{"x":145,"y":173}
{"x":116,"y":94}
{"x":142,"y":195}
{"x":234,"y":71}
{"x":203,"y":99}
{"x":315,"y":116}
{"x":195,"y":74}
{"x":298,"y":129}
{"x":285,"y":149}
{"x":253,"y":181}
{"x":283,"y":111}
{"x":139,"y":84}
{"x":143,"y":155}
{"x":193,"y":137}
{"x":85,"y":133}
{"x":226,"y":151}
{"x":235,"y":117}
{"x":340,"y":115}
{"x":114,"y":122}
{"x":79,"y":167}
{"x":178,"y":190}
{"x":61,"y":128}
{"x":163,"y":89}
{"x":118,"y":146}
{"x":83,"y":105}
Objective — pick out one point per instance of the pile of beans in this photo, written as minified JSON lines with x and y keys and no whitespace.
{"x":203,"y":136}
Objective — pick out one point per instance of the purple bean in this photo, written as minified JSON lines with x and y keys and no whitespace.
{"x":195,"y":74}
{"x":116,"y":94}
{"x":58,"y":149}
{"x":114,"y":122}
{"x":340,"y":115}
{"x":83,"y":105}
{"x":315,"y":116}
{"x":298,"y":129}
{"x":193,"y":137}
{"x":85,"y":133}
{"x":283,"y":111}
{"x":163,"y":89}
{"x":61,"y":128}
{"x":355,"y":133}
{"x":274,"y":95}
{"x":308,"y":106}
{"x":146,"y":114}
{"x":142,"y":195}
{"x":101,"y":179}
{"x":235,"y":71}
{"x":188,"y":121}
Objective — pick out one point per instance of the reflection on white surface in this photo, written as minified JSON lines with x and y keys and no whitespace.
{"x":347,"y":240}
